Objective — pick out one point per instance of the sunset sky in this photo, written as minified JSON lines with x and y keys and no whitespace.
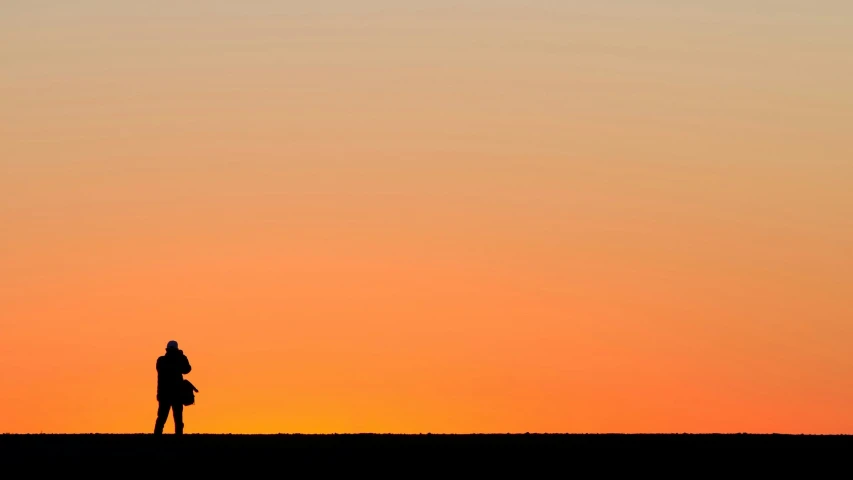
{"x":428,"y":216}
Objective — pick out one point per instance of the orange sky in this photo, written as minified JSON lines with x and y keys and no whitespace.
{"x":482,"y":216}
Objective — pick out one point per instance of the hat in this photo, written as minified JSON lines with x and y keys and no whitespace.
{"x":172,"y":345}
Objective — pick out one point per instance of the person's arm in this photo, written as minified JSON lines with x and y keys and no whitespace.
{"x":187,"y":367}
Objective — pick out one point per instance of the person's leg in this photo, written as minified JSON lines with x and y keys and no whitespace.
{"x":178,"y":416}
{"x":162,"y":415}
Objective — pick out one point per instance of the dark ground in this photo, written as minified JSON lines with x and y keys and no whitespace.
{"x":403,"y":457}
{"x":203,"y":450}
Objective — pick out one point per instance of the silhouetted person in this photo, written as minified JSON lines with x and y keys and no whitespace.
{"x":171,"y":369}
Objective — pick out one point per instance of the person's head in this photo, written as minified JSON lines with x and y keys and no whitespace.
{"x":172,"y":345}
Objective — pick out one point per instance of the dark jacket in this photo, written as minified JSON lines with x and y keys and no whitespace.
{"x":171,"y":369}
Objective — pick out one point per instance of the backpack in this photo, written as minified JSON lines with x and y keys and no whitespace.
{"x":188,"y":392}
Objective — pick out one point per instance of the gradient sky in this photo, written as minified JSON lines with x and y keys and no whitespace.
{"x":428,"y":216}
